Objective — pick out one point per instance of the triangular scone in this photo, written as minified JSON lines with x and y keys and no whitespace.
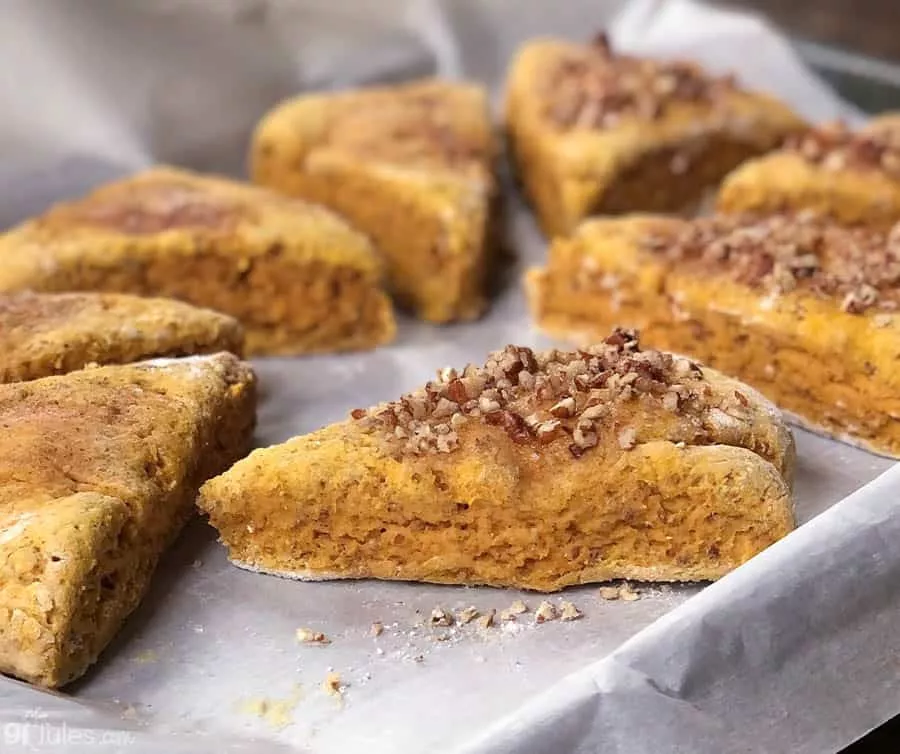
{"x":297,"y":277}
{"x":595,"y":132}
{"x":539,"y":470}
{"x":411,"y":166}
{"x":42,"y":334}
{"x":98,"y":471}
{"x":851,"y":176}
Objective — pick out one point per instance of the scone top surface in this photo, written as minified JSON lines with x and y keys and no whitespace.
{"x":853,"y":176}
{"x":438,"y":130}
{"x":166,"y":211}
{"x":591,"y":96}
{"x":53,"y":333}
{"x":603,"y":399}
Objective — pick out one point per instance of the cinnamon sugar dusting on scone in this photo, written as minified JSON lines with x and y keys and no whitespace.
{"x":835,"y":147}
{"x":147,"y":207}
{"x":595,"y":87}
{"x":858,"y":267}
{"x":540,"y":397}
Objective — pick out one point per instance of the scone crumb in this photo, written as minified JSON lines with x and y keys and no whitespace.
{"x":440,"y":617}
{"x":516,"y":608}
{"x":544,"y":613}
{"x":487,"y":620}
{"x":468,"y":615}
{"x":569,"y":612}
{"x":883,"y":320}
{"x":376,"y":629}
{"x":608,"y":593}
{"x":333,"y":686}
{"x":628,"y":594}
{"x":308,"y":636}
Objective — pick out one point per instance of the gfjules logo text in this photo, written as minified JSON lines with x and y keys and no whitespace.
{"x":36,"y":730}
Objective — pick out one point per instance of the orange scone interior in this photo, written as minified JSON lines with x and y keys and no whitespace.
{"x":537,"y":470}
{"x":412,"y":166}
{"x":98,"y":471}
{"x":595,"y":132}
{"x":42,"y":334}
{"x":297,"y":277}
{"x":803,"y":309}
{"x":852,"y":176}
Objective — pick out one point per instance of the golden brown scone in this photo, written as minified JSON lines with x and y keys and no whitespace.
{"x":594,"y":132}
{"x":298,"y":277}
{"x":803,"y":309}
{"x":538,"y":470}
{"x":98,"y":471}
{"x":411,"y":166}
{"x":42,"y":334}
{"x":853,"y":177}
{"x":886,"y":123}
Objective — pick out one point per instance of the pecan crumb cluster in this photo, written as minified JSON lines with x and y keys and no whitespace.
{"x":859,"y":267}
{"x":538,"y":397}
{"x":599,"y":87}
{"x":836,"y":147}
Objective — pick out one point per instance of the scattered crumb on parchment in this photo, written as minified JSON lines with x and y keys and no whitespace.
{"x":308,"y":636}
{"x":334,"y":686}
{"x":146,"y":657}
{"x":623,"y":591}
{"x":376,"y":629}
{"x":277,"y":713}
{"x":568,"y":611}
{"x":545,"y":612}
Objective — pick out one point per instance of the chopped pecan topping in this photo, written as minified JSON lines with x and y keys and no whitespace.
{"x":836,"y":147}
{"x":859,"y":267}
{"x":594,"y":87}
{"x":575,"y":398}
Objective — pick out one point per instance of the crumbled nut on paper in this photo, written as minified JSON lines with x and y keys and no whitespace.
{"x":545,"y":612}
{"x":487,"y":620}
{"x":568,"y":611}
{"x":468,"y":615}
{"x":333,"y":686}
{"x":628,"y":594}
{"x":308,"y":636}
{"x":440,"y":617}
{"x":377,"y":629}
{"x":608,"y":593}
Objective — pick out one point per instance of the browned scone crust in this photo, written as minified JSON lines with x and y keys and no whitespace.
{"x":43,"y":334}
{"x":410,"y":165}
{"x":594,"y":132}
{"x":538,"y":470}
{"x":98,"y":471}
{"x":297,"y":277}
{"x":802,"y":308}
{"x":851,"y":176}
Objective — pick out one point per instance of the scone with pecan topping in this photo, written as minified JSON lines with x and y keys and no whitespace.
{"x":297,"y":277}
{"x":595,"y":132}
{"x":42,"y":334}
{"x":98,"y":471}
{"x":410,"y":165}
{"x":852,"y":176}
{"x":804,"y":309}
{"x":538,"y":470}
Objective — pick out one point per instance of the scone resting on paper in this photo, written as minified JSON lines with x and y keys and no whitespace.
{"x":98,"y":471}
{"x":803,"y":309}
{"x":595,"y":132}
{"x":42,"y":334}
{"x":852,"y":176}
{"x":410,"y":165}
{"x":538,"y":470}
{"x":296,"y":276}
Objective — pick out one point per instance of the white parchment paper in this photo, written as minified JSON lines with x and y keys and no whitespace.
{"x":793,"y":652}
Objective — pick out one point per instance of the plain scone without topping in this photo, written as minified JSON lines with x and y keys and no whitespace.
{"x":538,"y":470}
{"x":43,"y":334}
{"x":410,"y":165}
{"x":595,"y":132}
{"x":802,"y":308}
{"x":98,"y":471}
{"x":296,"y":276}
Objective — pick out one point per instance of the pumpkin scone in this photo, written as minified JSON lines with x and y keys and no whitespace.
{"x":98,"y":471}
{"x":297,"y":277}
{"x":852,"y":176}
{"x":595,"y":132}
{"x":537,"y":470}
{"x":412,"y":166}
{"x":42,"y":334}
{"x":804,"y":309}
